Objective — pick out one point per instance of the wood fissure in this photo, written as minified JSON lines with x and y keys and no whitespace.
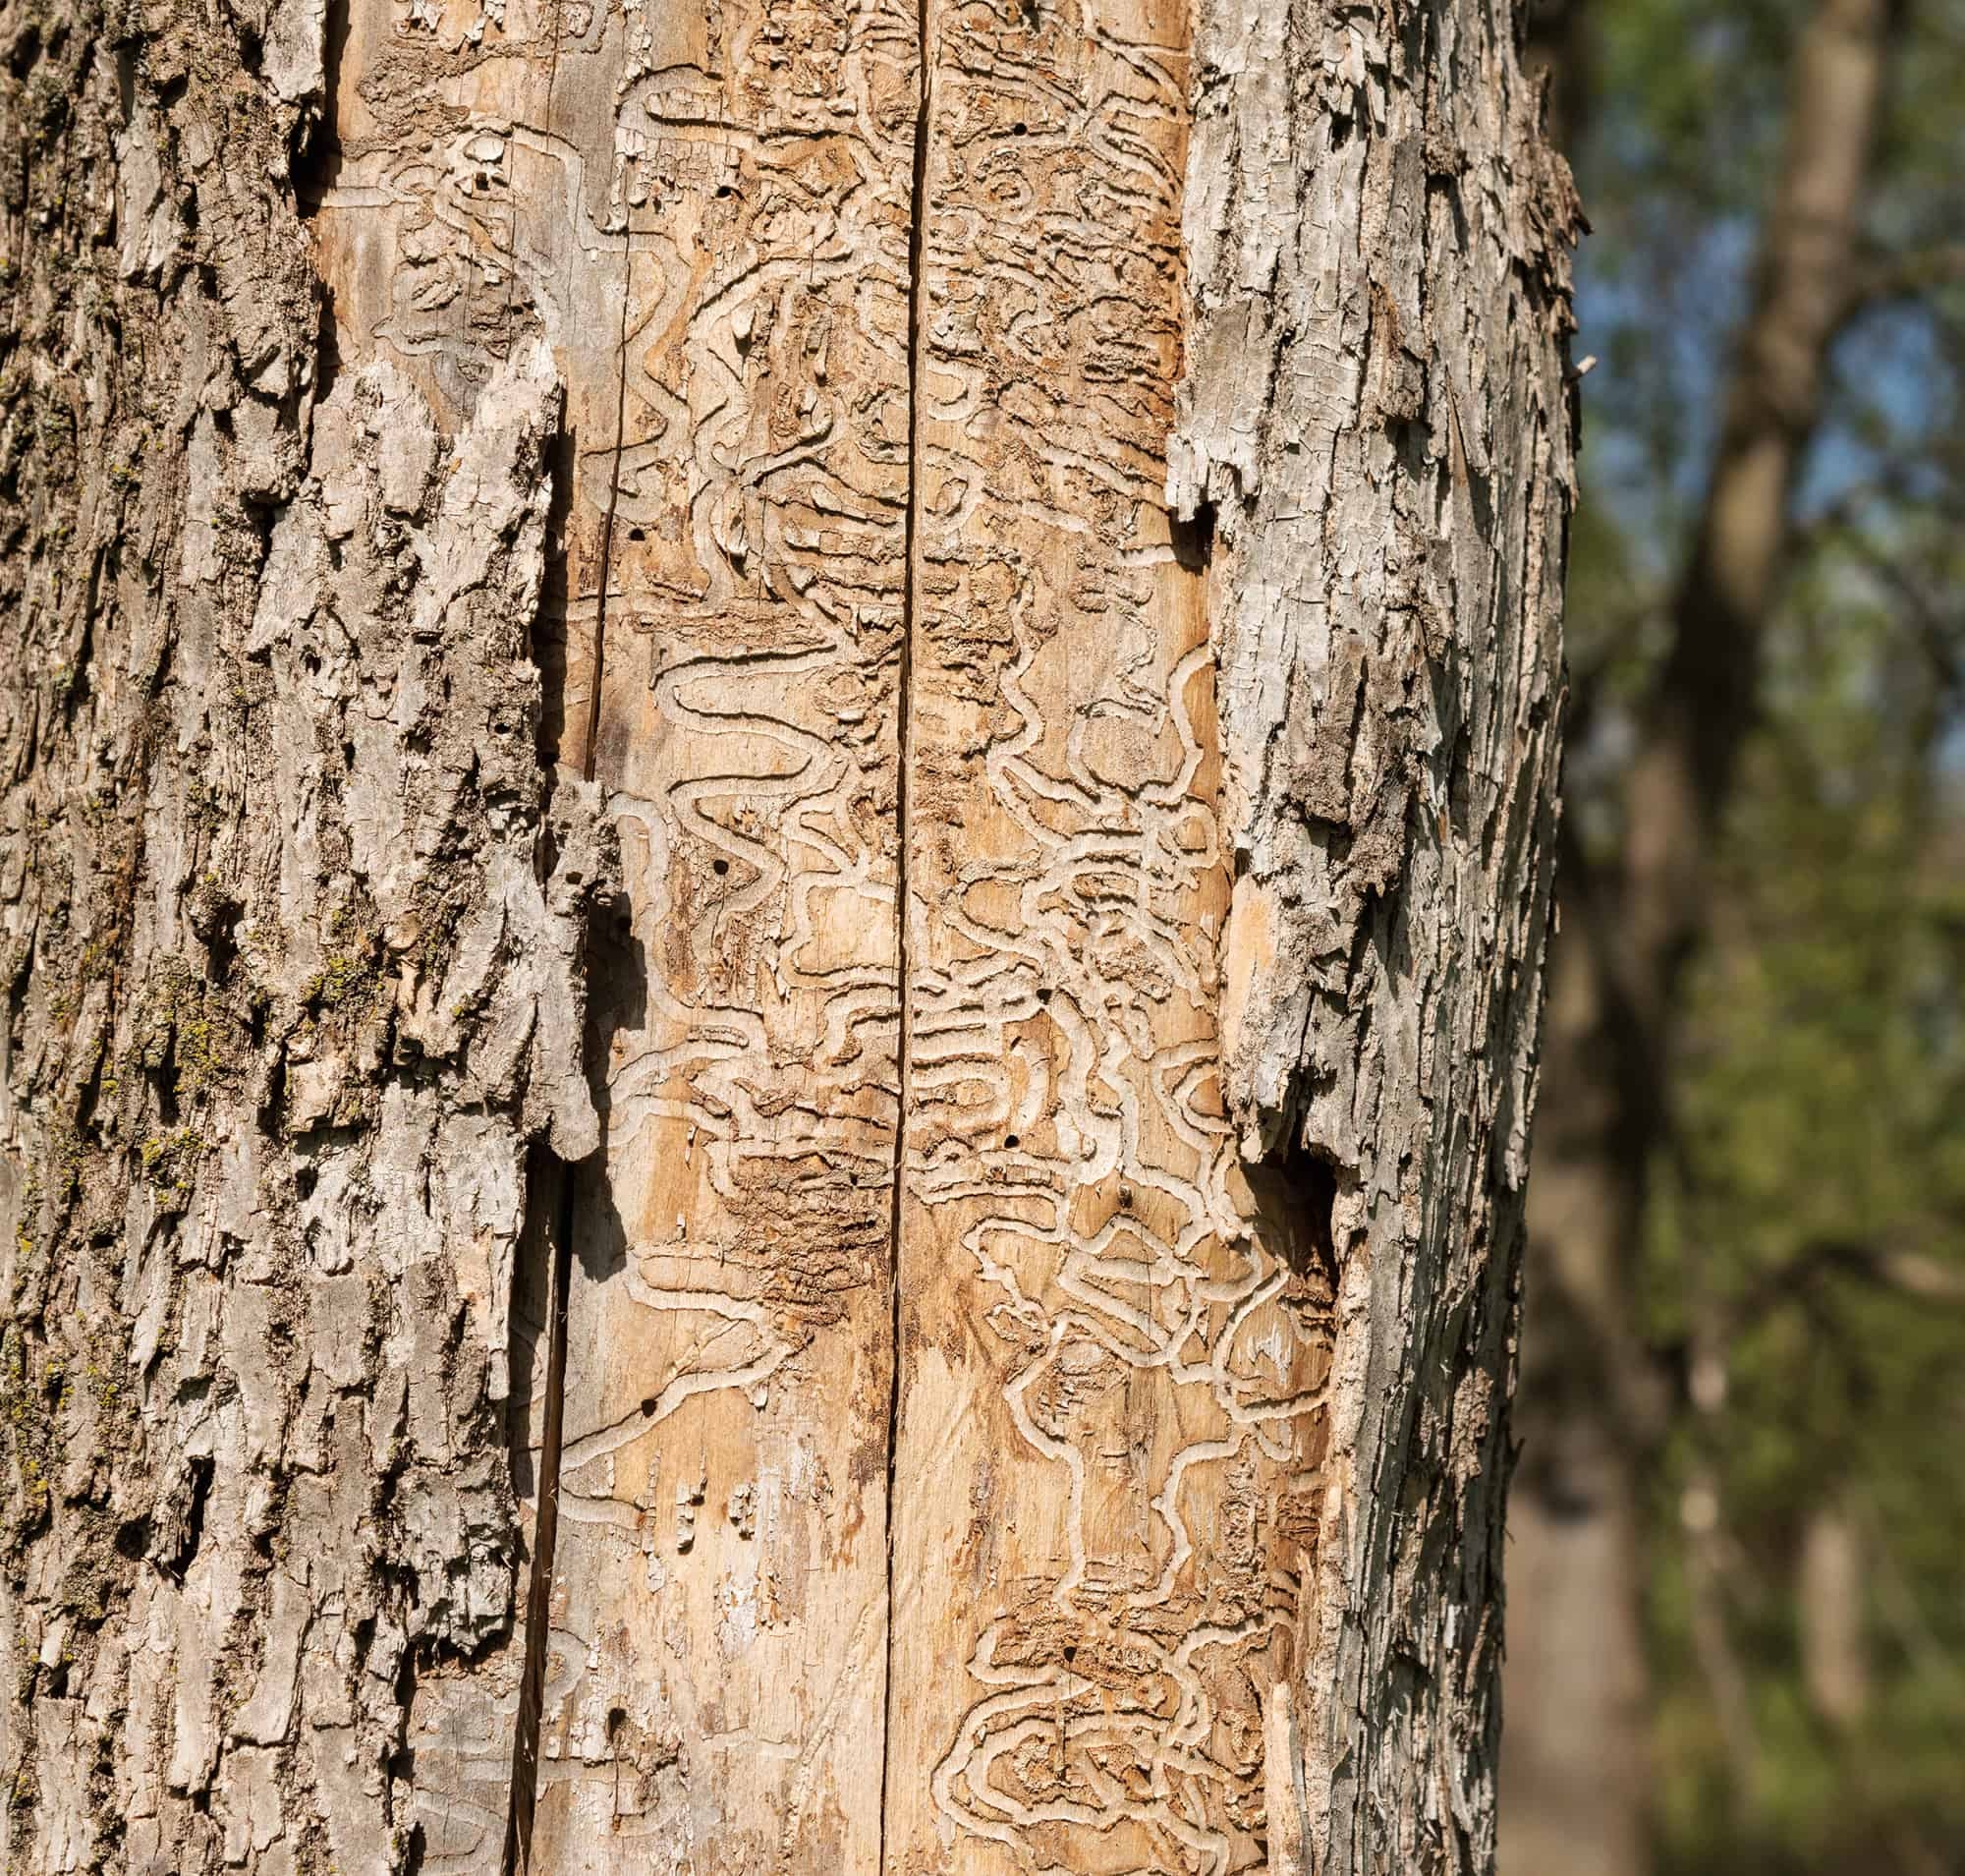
{"x":546,"y":1538}
{"x":904,"y":692}
{"x":554,"y":1221}
{"x":597,"y":667}
{"x":535,"y":1609}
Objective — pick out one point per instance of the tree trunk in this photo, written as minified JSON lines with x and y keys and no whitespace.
{"x":556,"y":559}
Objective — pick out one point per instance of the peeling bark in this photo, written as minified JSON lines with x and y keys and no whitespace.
{"x":294,"y":949}
{"x":1376,"y":413}
{"x":1033,"y":540}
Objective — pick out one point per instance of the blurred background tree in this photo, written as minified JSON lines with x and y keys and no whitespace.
{"x":1736,"y":1632}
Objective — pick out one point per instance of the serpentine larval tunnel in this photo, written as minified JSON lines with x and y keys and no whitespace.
{"x":895,"y":670}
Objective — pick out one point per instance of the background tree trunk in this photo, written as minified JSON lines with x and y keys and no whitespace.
{"x":1056,"y":508}
{"x":1596,"y":1394}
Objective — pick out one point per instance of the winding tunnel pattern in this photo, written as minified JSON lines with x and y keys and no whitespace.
{"x":708,"y":213}
{"x":1111,"y":1356}
{"x":1111,"y":1350}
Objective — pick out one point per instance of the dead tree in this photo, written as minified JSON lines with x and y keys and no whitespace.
{"x":779,"y":788}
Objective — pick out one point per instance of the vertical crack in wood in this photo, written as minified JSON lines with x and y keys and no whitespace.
{"x":545,"y":1531}
{"x":917,"y":246}
{"x":591,"y":750}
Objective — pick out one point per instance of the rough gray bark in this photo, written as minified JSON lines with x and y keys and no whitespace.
{"x":299,"y":916}
{"x":294,"y":968}
{"x":1376,"y":408}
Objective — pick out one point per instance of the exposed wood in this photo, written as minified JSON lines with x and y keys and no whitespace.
{"x":1105,"y":1486}
{"x":708,"y":214}
{"x":720,"y":1595}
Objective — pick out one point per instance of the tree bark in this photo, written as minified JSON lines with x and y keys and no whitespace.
{"x":1595,"y":1400}
{"x":988,"y":580}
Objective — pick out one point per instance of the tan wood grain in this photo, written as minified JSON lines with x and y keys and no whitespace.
{"x":1110,"y":1366}
{"x":706,"y":210}
{"x":874,"y":624}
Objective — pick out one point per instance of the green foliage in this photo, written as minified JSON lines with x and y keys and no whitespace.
{"x":1819,"y":1128}
{"x":1804,"y":1268}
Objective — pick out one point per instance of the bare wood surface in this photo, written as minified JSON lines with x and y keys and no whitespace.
{"x":1105,"y":1479}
